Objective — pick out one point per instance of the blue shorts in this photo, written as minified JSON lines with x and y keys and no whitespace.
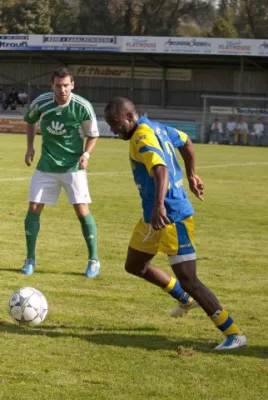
{"x":176,"y":240}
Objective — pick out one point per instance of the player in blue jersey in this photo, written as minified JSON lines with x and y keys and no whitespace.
{"x":66,"y":119}
{"x":167,"y":225}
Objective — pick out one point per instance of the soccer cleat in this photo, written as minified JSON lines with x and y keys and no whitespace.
{"x":232,"y":342}
{"x":28,"y":267}
{"x":93,"y":268}
{"x":183,"y":309}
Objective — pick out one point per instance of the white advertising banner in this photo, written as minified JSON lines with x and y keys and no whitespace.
{"x":221,"y":110}
{"x":141,"y":44}
{"x":108,"y":71}
{"x":81,"y":43}
{"x":186,"y":45}
{"x":136,"y":44}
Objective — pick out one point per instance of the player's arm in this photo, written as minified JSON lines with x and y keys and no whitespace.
{"x":31,"y":117}
{"x":195,"y":183}
{"x":146,"y":150}
{"x":159,"y":217}
{"x":91,"y":132}
{"x":30,"y":132}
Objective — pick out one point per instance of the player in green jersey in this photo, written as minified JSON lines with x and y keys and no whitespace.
{"x":65,"y":119}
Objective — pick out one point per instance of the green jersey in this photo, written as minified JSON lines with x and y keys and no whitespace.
{"x":63,"y":128}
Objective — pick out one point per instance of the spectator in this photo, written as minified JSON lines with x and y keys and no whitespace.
{"x":257,"y":133}
{"x":230,"y":130}
{"x":22,"y":97}
{"x":241,"y":130}
{"x":2,"y":98}
{"x":216,"y":132}
{"x":12,"y":100}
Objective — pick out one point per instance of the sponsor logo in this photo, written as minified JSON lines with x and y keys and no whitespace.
{"x":13,"y":44}
{"x":234,"y":45}
{"x":186,"y":43}
{"x":56,"y":128}
{"x":79,"y":39}
{"x":264,"y":45}
{"x":141,"y":44}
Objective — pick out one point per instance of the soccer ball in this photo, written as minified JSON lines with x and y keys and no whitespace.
{"x":28,"y":306}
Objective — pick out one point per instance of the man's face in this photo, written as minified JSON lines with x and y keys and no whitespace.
{"x":62,"y":88}
{"x":121,"y":123}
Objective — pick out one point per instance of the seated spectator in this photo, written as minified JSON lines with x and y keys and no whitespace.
{"x":230,"y":130}
{"x":241,"y":131}
{"x":12,"y":100}
{"x":257,"y":133}
{"x":22,"y":97}
{"x":2,"y":98}
{"x":216,"y":132}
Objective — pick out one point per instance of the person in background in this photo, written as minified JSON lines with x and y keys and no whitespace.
{"x":12,"y":100}
{"x":2,"y":98}
{"x":258,"y":132}
{"x":22,"y":97}
{"x":230,"y":130}
{"x":216,"y":132}
{"x":241,"y":131}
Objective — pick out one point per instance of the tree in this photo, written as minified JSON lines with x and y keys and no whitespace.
{"x":28,"y":16}
{"x":224,"y":28}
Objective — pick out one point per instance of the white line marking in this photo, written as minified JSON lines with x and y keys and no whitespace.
{"x":114,"y":173}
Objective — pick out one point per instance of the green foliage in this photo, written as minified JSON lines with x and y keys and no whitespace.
{"x":225,"y":18}
{"x":111,"y":337}
{"x":224,"y":29}
{"x":28,"y":16}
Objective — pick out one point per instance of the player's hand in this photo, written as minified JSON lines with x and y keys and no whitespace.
{"x":159,"y":217}
{"x":29,"y":156}
{"x":83,"y":162}
{"x":197,"y":186}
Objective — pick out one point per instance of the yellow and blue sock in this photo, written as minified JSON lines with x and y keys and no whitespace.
{"x":176,"y":291}
{"x":225,"y":323}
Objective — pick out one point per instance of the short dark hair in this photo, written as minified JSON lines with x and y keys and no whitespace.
{"x":61,"y":72}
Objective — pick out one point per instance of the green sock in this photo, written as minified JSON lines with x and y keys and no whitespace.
{"x":90,"y":234}
{"x":32,"y":226}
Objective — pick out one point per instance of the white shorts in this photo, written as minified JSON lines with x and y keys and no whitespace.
{"x":45,"y":187}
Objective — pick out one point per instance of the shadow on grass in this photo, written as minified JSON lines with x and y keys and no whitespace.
{"x":44,"y":271}
{"x":130,"y":338}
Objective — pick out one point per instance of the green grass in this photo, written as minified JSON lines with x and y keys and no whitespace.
{"x":111,"y":337}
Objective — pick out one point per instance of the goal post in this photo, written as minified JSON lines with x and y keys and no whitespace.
{"x":224,"y":107}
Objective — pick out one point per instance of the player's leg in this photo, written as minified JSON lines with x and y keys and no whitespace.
{"x":89,"y":231}
{"x":76,"y":187}
{"x":139,"y":264}
{"x":145,"y":243}
{"x":44,"y":189}
{"x":184,"y":267}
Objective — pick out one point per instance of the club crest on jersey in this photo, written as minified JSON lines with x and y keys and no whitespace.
{"x":56,"y":128}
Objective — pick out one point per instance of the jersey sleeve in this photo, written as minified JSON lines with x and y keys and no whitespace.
{"x":33,"y":113}
{"x":89,"y":121}
{"x":178,"y":138}
{"x":145,"y":148}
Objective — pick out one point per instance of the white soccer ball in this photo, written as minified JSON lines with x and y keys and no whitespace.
{"x":28,"y":306}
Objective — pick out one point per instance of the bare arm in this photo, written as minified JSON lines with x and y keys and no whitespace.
{"x":29,"y":156}
{"x":90,"y":129}
{"x":195,"y":183}
{"x":161,"y":180}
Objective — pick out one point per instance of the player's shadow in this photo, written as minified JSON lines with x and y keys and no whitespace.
{"x":129,"y":337}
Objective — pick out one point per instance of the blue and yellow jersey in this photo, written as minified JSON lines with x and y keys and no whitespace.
{"x":154,"y":144}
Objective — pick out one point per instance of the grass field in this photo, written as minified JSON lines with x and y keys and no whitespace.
{"x":111,"y":337}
